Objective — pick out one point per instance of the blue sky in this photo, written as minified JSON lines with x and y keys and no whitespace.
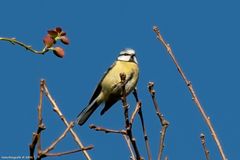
{"x":203,"y":34}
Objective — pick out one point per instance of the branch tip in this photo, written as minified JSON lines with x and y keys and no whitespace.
{"x":155,"y":29}
{"x":202,"y":136}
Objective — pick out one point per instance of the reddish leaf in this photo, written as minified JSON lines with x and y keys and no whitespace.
{"x":53,"y":33}
{"x":58,"y":29}
{"x":48,"y":41}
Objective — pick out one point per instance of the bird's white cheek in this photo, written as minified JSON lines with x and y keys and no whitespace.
{"x":124,"y":58}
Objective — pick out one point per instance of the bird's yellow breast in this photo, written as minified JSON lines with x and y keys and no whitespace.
{"x":113,"y":77}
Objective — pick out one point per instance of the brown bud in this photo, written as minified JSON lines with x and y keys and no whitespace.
{"x":64,"y":40}
{"x":58,"y":51}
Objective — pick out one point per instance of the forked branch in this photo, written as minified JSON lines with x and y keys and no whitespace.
{"x":37,"y":136}
{"x":59,"y":113}
{"x":127,"y":122}
{"x":163,"y":121}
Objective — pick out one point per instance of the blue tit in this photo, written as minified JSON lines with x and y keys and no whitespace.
{"x":108,"y":90}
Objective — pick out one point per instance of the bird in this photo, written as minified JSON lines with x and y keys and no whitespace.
{"x":109,"y":89}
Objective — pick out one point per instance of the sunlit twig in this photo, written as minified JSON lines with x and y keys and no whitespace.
{"x":27,"y":47}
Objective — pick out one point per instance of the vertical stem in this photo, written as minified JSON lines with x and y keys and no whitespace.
{"x":203,"y":141}
{"x":163,"y":121}
{"x":40,"y":121}
{"x":127,"y":123}
{"x":143,"y":126}
{"x":129,"y":146}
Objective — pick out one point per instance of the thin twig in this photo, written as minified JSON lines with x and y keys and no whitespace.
{"x":37,"y":136}
{"x":35,"y":140}
{"x":163,"y":121}
{"x":138,"y":108}
{"x":203,"y":141}
{"x":122,"y":132}
{"x":40,"y":119}
{"x":129,"y":146}
{"x":106,"y":130}
{"x":27,"y":47}
{"x":52,"y":146}
{"x":127,"y":123}
{"x":59,"y":113}
{"x":190,"y":88}
{"x":69,"y":152}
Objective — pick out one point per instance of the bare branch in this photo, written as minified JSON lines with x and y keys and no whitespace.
{"x":69,"y":152}
{"x":37,"y":136}
{"x":191,"y":90}
{"x":122,"y":132}
{"x":40,"y":120}
{"x":52,"y":146}
{"x":163,"y":121}
{"x":203,"y":141}
{"x":35,"y":139}
{"x":59,"y":113}
{"x":127,"y":123}
{"x":27,"y":47}
{"x":106,"y":130}
{"x":129,"y":146}
{"x":138,"y":109}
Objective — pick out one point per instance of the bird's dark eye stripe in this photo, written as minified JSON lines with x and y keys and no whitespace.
{"x":127,"y":54}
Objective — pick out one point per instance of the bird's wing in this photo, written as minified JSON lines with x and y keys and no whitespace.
{"x":113,"y":98}
{"x":111,"y":101}
{"x":99,"y":87}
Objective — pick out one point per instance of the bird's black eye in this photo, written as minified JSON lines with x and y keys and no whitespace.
{"x":125,"y":54}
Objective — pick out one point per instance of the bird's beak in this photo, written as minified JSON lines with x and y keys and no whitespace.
{"x":134,"y":59}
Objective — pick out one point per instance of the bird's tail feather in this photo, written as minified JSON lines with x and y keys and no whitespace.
{"x":87,"y":112}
